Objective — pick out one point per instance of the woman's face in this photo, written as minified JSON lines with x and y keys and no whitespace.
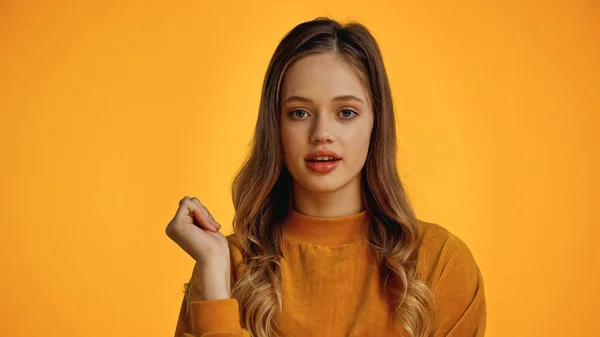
{"x":324,"y":106}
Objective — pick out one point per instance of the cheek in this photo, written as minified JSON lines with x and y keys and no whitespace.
{"x":358,"y":140}
{"x":290,"y":139}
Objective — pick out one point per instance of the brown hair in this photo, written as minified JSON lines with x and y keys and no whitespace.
{"x":261,"y":190}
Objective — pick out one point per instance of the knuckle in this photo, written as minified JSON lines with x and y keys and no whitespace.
{"x":183,"y":200}
{"x":170,"y":231}
{"x":197,"y":201}
{"x":186,"y":202}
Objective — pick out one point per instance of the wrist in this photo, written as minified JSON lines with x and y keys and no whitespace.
{"x":214,"y":283}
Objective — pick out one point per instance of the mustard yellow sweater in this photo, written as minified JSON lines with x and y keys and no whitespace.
{"x":331,"y":285}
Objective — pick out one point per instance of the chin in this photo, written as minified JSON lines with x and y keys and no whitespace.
{"x":322,"y":184}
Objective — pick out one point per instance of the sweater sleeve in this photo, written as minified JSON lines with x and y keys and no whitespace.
{"x":211,"y":318}
{"x":459,"y":295}
{"x":215,"y":318}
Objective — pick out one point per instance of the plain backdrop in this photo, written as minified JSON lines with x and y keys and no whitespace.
{"x":112,"y":111}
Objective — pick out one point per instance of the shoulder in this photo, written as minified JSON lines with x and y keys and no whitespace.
{"x":444,"y":258}
{"x":449,"y":268}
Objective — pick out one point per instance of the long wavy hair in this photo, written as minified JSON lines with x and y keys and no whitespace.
{"x":261,"y":189}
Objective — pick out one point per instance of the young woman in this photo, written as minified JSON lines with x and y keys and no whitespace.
{"x":325,"y":240}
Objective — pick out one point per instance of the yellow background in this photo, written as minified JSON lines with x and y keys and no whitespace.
{"x":112,"y":111}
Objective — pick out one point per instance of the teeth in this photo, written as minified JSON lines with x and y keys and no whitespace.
{"x":322,"y":158}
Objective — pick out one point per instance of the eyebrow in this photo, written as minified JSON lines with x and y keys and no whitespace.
{"x":335,"y":99}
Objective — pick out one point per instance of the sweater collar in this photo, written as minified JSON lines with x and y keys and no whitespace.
{"x":326,"y":231}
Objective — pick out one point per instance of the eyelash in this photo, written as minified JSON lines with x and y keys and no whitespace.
{"x":291,"y":113}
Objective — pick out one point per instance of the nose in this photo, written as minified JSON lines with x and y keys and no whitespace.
{"x":322,"y":130}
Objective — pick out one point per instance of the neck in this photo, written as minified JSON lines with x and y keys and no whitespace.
{"x":344,"y":201}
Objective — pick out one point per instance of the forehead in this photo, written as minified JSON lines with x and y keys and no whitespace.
{"x":321,"y":76}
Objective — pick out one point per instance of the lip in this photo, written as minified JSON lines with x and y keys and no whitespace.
{"x":322,"y":153}
{"x":322,"y":166}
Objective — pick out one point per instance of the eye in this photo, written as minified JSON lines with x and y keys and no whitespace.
{"x":348,"y":114}
{"x":297,"y":113}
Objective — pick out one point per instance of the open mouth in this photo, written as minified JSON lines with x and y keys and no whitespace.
{"x":323,"y":160}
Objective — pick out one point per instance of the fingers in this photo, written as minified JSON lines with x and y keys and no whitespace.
{"x":206,"y":213}
{"x":193,"y":208}
{"x":189,"y":208}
